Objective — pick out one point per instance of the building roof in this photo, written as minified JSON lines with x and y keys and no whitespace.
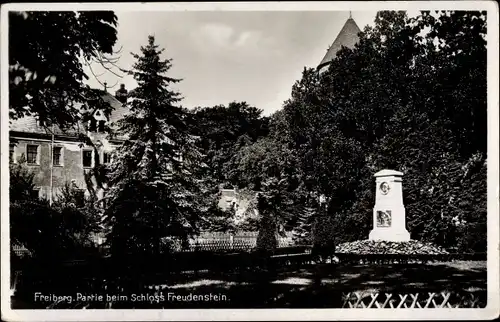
{"x":348,"y":37}
{"x":30,"y":124}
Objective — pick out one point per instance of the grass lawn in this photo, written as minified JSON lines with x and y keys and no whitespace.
{"x":314,"y":286}
{"x":323,"y":286}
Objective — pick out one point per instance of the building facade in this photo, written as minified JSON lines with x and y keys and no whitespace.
{"x":239,"y":201}
{"x":58,"y":158}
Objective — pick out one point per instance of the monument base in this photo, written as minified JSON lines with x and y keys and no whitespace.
{"x":389,"y":235}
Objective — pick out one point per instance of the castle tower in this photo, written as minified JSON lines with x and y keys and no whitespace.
{"x":348,"y":37}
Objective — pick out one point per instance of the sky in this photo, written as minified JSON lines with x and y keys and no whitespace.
{"x":225,"y":56}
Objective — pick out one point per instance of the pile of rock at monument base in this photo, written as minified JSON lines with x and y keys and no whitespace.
{"x":412,"y":247}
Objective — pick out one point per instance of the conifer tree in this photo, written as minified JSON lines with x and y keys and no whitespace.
{"x":304,"y":225}
{"x":156,"y":187}
{"x":274,"y":211}
{"x":267,"y":238}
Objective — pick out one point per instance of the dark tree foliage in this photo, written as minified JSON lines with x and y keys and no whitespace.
{"x":218,"y":220}
{"x":21,"y":183}
{"x":268,"y":229}
{"x":401,"y":99}
{"x":224,"y":130}
{"x":64,"y":230}
{"x":46,"y":54}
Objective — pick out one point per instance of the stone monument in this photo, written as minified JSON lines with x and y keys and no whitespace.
{"x":389,"y":217}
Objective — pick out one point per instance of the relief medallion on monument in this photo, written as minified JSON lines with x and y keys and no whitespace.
{"x":384,"y":218}
{"x":384,"y":188}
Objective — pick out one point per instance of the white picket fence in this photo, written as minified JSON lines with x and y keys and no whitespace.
{"x":375,"y":300}
{"x":240,"y":240}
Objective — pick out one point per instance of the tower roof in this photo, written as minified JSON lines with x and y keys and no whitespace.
{"x":348,"y":37}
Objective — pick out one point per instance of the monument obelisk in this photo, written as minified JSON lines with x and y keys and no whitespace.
{"x":389,"y":216}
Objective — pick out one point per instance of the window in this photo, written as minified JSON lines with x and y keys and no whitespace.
{"x":87,"y":158}
{"x":106,"y":158}
{"x":57,"y":155}
{"x":92,"y":125}
{"x":11,"y":153}
{"x":102,"y":125}
{"x":32,"y":154}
